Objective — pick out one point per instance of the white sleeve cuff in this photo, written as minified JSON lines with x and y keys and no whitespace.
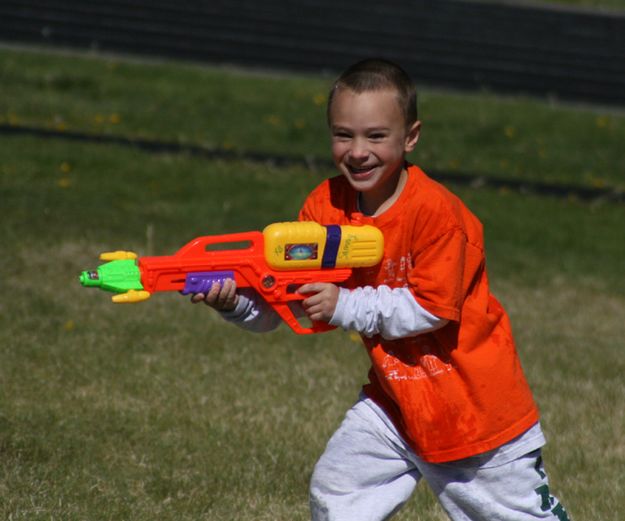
{"x":252,"y":313}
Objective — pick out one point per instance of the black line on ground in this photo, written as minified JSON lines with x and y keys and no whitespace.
{"x":563,"y":191}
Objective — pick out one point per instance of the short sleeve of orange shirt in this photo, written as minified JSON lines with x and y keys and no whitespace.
{"x":458,"y":391}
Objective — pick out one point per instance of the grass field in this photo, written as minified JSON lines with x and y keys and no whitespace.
{"x":160,"y":410}
{"x":604,"y":5}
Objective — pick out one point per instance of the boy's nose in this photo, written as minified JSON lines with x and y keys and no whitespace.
{"x":359,"y":150}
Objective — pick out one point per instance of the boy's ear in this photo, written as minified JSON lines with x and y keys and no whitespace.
{"x":412,"y":137}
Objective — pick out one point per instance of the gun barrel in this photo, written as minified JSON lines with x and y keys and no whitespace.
{"x":90,"y":279}
{"x":117,"y":276}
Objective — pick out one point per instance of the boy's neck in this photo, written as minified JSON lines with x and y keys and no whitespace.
{"x":375,"y":204}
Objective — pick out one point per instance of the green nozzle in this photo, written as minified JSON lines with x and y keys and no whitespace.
{"x":117,"y":276}
{"x":90,"y":278}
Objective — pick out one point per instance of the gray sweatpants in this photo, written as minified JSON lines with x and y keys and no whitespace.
{"x":368,"y":472}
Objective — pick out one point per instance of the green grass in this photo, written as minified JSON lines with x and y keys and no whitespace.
{"x":162,"y":411}
{"x":519,"y":138}
{"x":606,"y":5}
{"x":601,"y":5}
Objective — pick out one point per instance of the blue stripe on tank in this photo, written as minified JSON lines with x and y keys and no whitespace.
{"x":333,"y":240}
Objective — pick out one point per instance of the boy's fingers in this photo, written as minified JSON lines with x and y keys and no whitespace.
{"x":226,"y":299}
{"x":213,"y":294}
{"x":318,"y":313}
{"x":219,"y":296}
{"x":226,"y":293}
{"x":311,"y":301}
{"x":230,"y":286}
{"x":312,"y":287}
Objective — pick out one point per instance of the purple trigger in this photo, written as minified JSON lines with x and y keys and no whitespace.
{"x":202,"y":282}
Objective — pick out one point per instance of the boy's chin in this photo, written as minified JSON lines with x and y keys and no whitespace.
{"x":361,"y":185}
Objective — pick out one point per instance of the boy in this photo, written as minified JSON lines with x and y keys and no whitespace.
{"x":447,"y":400}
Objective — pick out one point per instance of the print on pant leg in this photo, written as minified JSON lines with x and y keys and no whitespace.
{"x":548,"y":501}
{"x":318,"y":511}
{"x":560,"y":513}
{"x":539,"y":467}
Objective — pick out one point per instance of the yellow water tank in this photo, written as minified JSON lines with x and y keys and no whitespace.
{"x":309,"y":245}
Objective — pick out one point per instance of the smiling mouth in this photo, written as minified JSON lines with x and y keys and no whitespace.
{"x":360,"y":172}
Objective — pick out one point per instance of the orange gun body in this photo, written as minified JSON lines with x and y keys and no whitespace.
{"x":247,"y":267}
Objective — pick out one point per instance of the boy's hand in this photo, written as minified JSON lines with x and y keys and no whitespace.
{"x":220,"y":298}
{"x":321,"y":305}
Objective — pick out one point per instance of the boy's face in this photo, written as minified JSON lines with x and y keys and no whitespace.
{"x":370,"y":140}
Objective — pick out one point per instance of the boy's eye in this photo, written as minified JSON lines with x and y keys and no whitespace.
{"x":377,"y":136}
{"x":341,"y":135}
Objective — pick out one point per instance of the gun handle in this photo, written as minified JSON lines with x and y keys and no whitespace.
{"x":287,"y":315}
{"x":280,"y":288}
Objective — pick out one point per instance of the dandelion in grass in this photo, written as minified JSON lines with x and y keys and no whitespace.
{"x":510,"y":132}
{"x":69,"y":326}
{"x":65,"y":167}
{"x":58,"y":122}
{"x":591,"y":178}
{"x":273,"y":120}
{"x":64,"y":182}
{"x":319,"y":99}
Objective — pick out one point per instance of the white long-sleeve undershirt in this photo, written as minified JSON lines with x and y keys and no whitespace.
{"x":391,"y":313}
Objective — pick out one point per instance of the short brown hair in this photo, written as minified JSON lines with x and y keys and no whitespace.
{"x":379,"y":74}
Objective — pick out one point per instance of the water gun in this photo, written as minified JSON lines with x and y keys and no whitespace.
{"x":274,"y":262}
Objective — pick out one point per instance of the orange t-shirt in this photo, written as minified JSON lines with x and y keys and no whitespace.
{"x":460,"y":390}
